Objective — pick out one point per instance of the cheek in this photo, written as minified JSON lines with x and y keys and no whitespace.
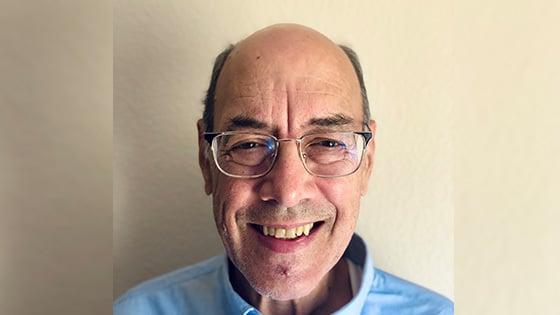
{"x":230,"y":197}
{"x":344,"y":194}
{"x":341,"y":192}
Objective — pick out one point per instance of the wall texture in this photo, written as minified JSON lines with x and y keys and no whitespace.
{"x":507,"y":157}
{"x":55,"y":157}
{"x":162,"y":61}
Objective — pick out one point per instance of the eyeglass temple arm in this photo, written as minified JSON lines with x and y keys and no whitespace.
{"x":367,"y":135}
{"x":209,"y":136}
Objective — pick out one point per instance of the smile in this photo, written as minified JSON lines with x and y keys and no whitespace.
{"x":285,"y":239}
{"x":287,"y":233}
{"x":290,"y":233}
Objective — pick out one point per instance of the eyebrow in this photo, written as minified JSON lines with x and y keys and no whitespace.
{"x":335,"y":120}
{"x":242,"y":121}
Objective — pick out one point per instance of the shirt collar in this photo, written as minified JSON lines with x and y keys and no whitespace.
{"x":356,"y":251}
{"x":236,"y":304}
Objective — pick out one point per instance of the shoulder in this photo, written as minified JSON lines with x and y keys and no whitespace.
{"x":394,"y":295}
{"x":176,"y":292}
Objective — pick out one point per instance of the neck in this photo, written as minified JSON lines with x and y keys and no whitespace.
{"x":332,"y":292}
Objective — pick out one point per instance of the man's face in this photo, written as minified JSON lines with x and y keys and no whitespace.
{"x":287,"y":82}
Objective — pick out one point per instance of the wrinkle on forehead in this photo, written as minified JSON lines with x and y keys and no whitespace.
{"x":303,"y":85}
{"x":292,"y":106}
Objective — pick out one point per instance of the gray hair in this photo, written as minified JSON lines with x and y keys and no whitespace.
{"x":208,"y":114}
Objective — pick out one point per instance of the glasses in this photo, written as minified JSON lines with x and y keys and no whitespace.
{"x":250,"y":155}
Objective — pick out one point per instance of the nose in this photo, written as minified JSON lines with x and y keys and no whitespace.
{"x":288,"y":183}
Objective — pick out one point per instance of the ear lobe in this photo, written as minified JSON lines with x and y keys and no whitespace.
{"x":203,"y":160}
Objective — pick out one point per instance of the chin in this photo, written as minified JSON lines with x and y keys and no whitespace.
{"x":283,"y":291}
{"x":281,"y":284}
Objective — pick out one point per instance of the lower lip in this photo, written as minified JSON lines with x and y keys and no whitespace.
{"x":285,"y":246}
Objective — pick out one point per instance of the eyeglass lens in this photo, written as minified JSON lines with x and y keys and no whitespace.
{"x":325,"y":154}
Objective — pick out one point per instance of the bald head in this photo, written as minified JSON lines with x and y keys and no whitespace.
{"x":281,"y":51}
{"x":288,"y":45}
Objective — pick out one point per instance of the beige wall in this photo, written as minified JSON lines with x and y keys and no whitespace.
{"x":55,"y":157}
{"x":163,"y":58}
{"x":507,"y":157}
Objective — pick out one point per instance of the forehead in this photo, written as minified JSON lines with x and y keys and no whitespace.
{"x":287,"y":86}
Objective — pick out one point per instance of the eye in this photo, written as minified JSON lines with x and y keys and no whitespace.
{"x":247,"y":145}
{"x":328,"y":143}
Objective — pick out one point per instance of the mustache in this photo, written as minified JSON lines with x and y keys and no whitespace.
{"x":301,"y":212}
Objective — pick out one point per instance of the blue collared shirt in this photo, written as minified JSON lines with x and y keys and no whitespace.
{"x":205,"y":288}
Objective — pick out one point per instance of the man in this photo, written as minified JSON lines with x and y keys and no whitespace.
{"x":286,"y":150}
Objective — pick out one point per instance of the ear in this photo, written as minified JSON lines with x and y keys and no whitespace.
{"x":203,"y":157}
{"x":368,"y":161}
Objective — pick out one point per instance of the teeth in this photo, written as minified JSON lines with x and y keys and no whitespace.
{"x":280,"y":233}
{"x":291,"y":233}
{"x":307,"y":228}
{"x":287,"y":233}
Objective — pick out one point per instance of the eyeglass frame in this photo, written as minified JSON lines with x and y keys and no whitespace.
{"x":210,"y":136}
